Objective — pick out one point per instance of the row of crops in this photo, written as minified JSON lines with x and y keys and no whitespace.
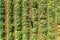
{"x":58,"y":18}
{"x":2,"y":20}
{"x":17,"y":22}
{"x":51,"y":19}
{"x":18,"y":19}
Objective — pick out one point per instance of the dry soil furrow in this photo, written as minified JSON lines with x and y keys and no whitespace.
{"x":30,"y":15}
{"x":55,"y":21}
{"x":6,"y":28}
{"x":38,"y":10}
{"x":47,"y":16}
{"x":14,"y":16}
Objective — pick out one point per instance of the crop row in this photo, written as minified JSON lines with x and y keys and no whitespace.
{"x":43,"y":26}
{"x":25,"y":20}
{"x":58,"y":18}
{"x":34,"y":20}
{"x":10,"y":20}
{"x":51,"y":19}
{"x":18,"y":19}
{"x":2,"y":20}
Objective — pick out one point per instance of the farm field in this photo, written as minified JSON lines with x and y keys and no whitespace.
{"x":29,"y":19}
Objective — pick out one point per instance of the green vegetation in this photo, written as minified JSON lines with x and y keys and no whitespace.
{"x":34,"y":20}
{"x":25,"y":20}
{"x":19,"y":19}
{"x":22,"y":11}
{"x":10,"y":19}
{"x":51,"y":19}
{"x":58,"y":18}
{"x":43,"y":30}
{"x":2,"y":26}
{"x":34,"y":24}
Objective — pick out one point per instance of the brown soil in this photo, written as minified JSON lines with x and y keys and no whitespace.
{"x":14,"y":15}
{"x":30,"y":15}
{"x":6,"y":28}
{"x":55,"y":22}
{"x":38,"y":10}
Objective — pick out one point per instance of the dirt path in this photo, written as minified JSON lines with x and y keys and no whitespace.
{"x":55,"y":21}
{"x":38,"y":10}
{"x":6,"y":28}
{"x":14,"y":15}
{"x":30,"y":15}
{"x":47,"y":19}
{"x":22,"y":21}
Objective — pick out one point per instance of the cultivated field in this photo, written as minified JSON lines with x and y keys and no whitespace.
{"x":29,"y":19}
